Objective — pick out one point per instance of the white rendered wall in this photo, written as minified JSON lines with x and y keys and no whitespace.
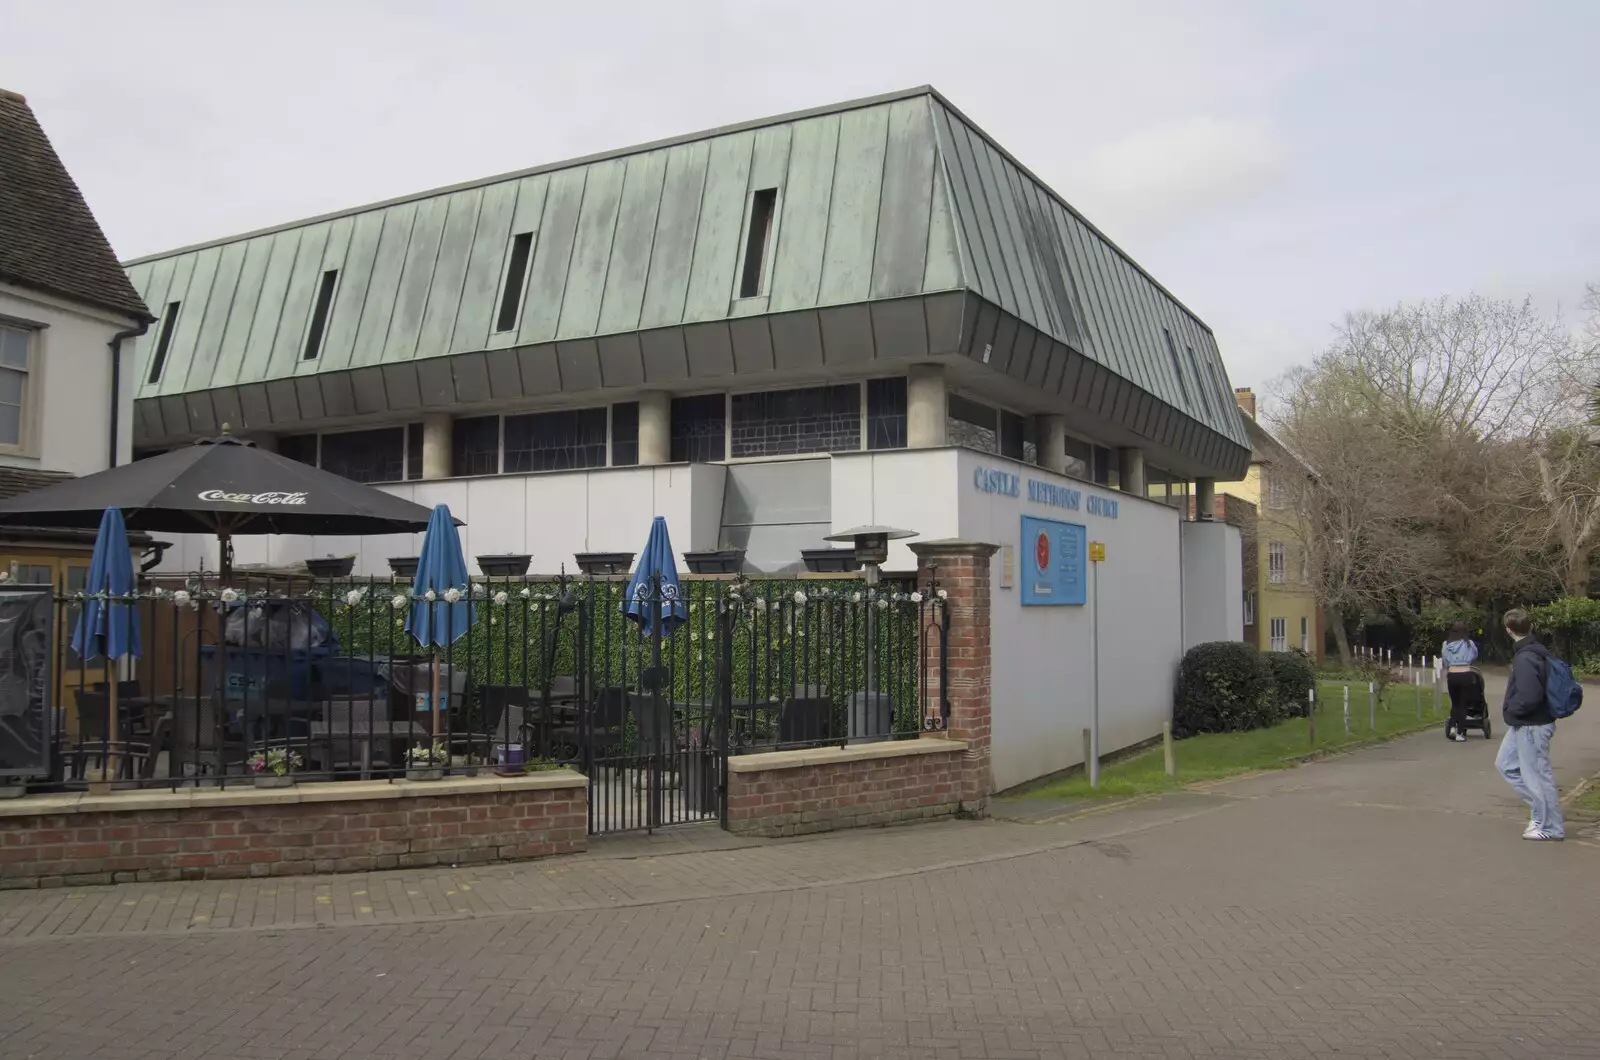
{"x":1213,"y":593}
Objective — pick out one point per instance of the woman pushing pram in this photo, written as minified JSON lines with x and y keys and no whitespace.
{"x":1468,"y":708}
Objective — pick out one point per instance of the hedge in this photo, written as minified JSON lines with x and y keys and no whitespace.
{"x":1224,"y":686}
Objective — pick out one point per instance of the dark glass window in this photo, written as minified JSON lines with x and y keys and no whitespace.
{"x":1079,"y":455}
{"x":475,"y":446}
{"x":699,"y":429}
{"x":366,"y":456}
{"x":556,"y":441}
{"x":821,"y":419}
{"x":762,"y":205}
{"x":973,"y":425}
{"x":1104,"y":466}
{"x":886,"y":413}
{"x":1177,"y":370}
{"x":319,"y":315}
{"x":414,"y":451}
{"x":1013,"y":435}
{"x":625,"y":434}
{"x":169,"y":320}
{"x":301,"y":447}
{"x":516,"y":273}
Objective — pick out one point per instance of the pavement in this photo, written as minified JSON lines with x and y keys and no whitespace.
{"x":1374,"y":904}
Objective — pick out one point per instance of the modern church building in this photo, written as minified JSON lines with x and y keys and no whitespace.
{"x":766,"y":332}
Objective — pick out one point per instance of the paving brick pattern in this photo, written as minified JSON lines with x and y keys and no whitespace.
{"x":1316,"y":913}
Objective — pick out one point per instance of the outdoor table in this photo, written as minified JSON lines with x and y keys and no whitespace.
{"x":364,"y":730}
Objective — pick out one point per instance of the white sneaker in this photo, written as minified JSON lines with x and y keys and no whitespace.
{"x":1460,"y":738}
{"x":1542,"y":837}
{"x":1531,"y":831}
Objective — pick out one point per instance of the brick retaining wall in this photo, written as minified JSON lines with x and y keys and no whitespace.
{"x":208,"y":833}
{"x":787,"y":793}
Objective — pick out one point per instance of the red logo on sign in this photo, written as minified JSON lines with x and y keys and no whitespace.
{"x":1041,"y":551}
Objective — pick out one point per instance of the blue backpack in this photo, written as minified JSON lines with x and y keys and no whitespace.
{"x":1562,"y":693}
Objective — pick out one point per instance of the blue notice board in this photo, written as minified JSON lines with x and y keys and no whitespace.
{"x":1054,"y":563}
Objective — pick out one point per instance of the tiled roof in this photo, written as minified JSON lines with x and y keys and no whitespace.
{"x":18,"y":480}
{"x":49,"y":240}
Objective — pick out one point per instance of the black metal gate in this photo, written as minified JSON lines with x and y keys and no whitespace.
{"x":652,"y":694}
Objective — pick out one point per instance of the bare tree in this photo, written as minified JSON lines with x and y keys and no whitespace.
{"x":1446,"y":461}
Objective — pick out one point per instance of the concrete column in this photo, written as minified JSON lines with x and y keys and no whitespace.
{"x":960,"y":569}
{"x":436,"y":445}
{"x":1205,"y":499}
{"x":927,"y":407}
{"x":655,"y":428}
{"x":1051,"y":433}
{"x":1130,"y":471}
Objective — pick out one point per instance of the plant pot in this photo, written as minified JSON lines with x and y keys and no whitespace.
{"x":604,"y":562}
{"x":425,"y":773}
{"x":829,"y":560}
{"x":272,"y":780}
{"x":717,"y":561}
{"x":13,"y":791}
{"x":510,"y":759}
{"x":331,"y":566}
{"x":404,"y":566}
{"x":509,"y":565}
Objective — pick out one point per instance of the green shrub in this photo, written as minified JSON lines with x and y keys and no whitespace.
{"x":1292,"y":679}
{"x":1575,"y":621}
{"x":1433,"y":625}
{"x":1223,"y":687}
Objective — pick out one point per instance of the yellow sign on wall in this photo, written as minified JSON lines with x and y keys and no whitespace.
{"x":1097,"y":551}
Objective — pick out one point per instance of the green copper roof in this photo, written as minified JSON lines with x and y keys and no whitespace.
{"x":877,"y":199}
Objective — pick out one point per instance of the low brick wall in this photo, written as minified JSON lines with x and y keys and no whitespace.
{"x":209,"y":833}
{"x":787,"y":793}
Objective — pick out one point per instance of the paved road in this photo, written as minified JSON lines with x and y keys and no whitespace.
{"x":1375,"y":905}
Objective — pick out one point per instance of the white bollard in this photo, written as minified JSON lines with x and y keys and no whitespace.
{"x":1347,"y":710}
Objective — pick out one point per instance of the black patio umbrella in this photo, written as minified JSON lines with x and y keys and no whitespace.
{"x":224,"y":486}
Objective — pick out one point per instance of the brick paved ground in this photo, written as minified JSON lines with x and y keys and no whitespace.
{"x":1375,"y":905}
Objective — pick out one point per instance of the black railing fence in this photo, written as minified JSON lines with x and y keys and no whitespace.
{"x":275,"y":680}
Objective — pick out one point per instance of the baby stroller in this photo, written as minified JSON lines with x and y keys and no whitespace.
{"x":1477,"y":711}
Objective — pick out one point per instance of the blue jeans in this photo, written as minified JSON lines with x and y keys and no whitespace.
{"x":1524,"y":761}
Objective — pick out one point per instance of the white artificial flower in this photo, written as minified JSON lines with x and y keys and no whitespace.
{"x":526,"y":594}
{"x":157,"y":594}
{"x":800,"y":598}
{"x":761,"y":603}
{"x":399,"y":601}
{"x":353,"y":597}
{"x":452,"y":595}
{"x":229,"y":596}
{"x":501,"y":598}
{"x":944,"y":594}
{"x":430,"y":596}
{"x":883,"y":605}
{"x":180,"y":597}
{"x":855,"y":598}
{"x":916,"y":598}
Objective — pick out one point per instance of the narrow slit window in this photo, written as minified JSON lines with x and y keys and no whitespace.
{"x":319,"y":315}
{"x":169,"y":320}
{"x":762,"y":207}
{"x":1177,"y":370}
{"x":1200,"y":380}
{"x":516,"y":272}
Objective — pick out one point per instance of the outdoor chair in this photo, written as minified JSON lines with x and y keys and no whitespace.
{"x":353,"y":721}
{"x":805,"y":722}
{"x":200,"y":743}
{"x":608,"y":720}
{"x":98,"y":746}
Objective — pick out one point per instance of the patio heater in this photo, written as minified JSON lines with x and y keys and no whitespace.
{"x":871,"y":711}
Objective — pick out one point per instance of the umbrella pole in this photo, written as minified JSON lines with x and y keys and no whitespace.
{"x":104,"y":785}
{"x":224,"y":559}
{"x":434,"y":699}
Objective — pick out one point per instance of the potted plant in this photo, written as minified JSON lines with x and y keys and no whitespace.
{"x":404,"y":566}
{"x":331,"y":566}
{"x":467,"y":765}
{"x":274,"y":767}
{"x":505,"y":565}
{"x":542,"y":765}
{"x":829,"y":560}
{"x":715,"y":561}
{"x":426,"y":761}
{"x":604,"y":562}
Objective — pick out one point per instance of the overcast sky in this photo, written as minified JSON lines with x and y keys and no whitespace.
{"x":1274,"y":164}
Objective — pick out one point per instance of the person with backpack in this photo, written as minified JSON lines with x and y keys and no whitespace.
{"x":1540,"y":690}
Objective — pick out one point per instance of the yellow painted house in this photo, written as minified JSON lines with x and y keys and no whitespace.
{"x":1284,"y":607}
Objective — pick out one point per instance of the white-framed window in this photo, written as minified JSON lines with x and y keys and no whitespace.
{"x":1277,"y":563}
{"x":1249,"y":607}
{"x":1277,"y":495}
{"x":16,"y":366}
{"x":1305,"y":634}
{"x":1279,"y":631}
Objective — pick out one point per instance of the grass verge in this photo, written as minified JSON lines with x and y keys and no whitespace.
{"x":1216,"y":755}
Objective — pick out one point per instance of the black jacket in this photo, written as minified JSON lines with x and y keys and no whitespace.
{"x":1525,"y":703}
